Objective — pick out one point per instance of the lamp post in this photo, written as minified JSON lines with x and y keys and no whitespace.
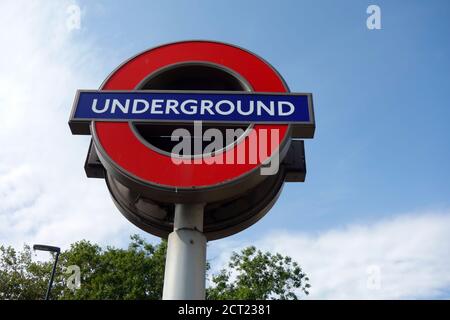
{"x":57,"y":250}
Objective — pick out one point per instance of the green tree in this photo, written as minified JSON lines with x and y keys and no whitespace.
{"x":133,"y":273}
{"x":138,"y":273}
{"x":20,"y":277}
{"x":254,"y":275}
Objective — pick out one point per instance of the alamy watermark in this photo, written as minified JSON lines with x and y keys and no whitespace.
{"x":230,"y":146}
{"x":373,"y":277}
{"x":73,"y":281}
{"x":73,"y":21}
{"x":373,"y":21}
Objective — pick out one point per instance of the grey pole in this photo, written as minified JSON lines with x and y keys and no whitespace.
{"x":184,"y":276}
{"x":57,"y":250}
{"x":50,"y":283}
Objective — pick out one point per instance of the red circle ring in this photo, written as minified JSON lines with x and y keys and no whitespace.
{"x":128,"y":154}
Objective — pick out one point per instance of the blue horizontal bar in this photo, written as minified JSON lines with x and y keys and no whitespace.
{"x":206,"y":106}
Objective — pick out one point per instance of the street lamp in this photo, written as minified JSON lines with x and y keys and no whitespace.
{"x":57,"y":250}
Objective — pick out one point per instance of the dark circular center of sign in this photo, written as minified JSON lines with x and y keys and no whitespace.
{"x":189,"y":76}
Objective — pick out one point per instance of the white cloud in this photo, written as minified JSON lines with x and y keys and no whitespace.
{"x":406,"y":257}
{"x":44,"y":193}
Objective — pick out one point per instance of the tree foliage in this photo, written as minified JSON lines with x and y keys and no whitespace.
{"x":254,"y":275}
{"x":20,"y":277}
{"x":138,"y":273}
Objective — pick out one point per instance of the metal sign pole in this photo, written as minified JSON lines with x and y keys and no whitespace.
{"x":184,"y":276}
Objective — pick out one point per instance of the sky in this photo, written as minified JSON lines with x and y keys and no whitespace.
{"x":372,"y":219}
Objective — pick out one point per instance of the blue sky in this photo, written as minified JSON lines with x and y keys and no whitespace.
{"x":380,"y":95}
{"x":379,"y":160}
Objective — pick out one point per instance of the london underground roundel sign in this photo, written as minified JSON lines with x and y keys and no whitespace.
{"x":157,"y":119}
